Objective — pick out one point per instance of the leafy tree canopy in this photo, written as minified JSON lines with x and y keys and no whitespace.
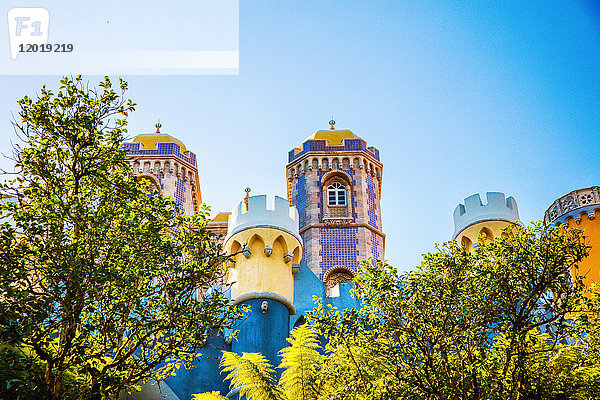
{"x":507,"y":321}
{"x":100,"y":278}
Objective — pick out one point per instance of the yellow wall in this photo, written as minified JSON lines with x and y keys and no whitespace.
{"x":259,"y":272}
{"x":590,"y":266}
{"x":470,"y":235}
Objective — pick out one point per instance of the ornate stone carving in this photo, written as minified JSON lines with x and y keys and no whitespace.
{"x":337,"y":222}
{"x":583,"y":198}
{"x":268,"y":250}
{"x":586,"y":198}
{"x":336,"y":277}
{"x":567,"y":203}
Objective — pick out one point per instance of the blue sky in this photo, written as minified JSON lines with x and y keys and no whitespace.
{"x":459,"y":97}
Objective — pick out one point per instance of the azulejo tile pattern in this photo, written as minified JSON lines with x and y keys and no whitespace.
{"x":180,"y":193}
{"x":300,"y":200}
{"x":160,"y":178}
{"x":339,"y":247}
{"x":375,"y":246}
{"x":321,"y":145}
{"x":162,"y":149}
{"x":372,"y":202}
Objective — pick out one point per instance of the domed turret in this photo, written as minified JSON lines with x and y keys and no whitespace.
{"x":335,"y":182}
{"x":168,"y":165}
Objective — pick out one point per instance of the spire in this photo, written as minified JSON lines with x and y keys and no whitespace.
{"x":158,"y":126}
{"x":332,"y":123}
{"x":247,"y":190}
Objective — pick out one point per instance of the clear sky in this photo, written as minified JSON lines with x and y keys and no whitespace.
{"x":459,"y":97}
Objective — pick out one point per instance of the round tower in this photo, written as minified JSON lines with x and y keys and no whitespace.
{"x":473,"y":218}
{"x":168,"y":165}
{"x":335,"y":180}
{"x":266,"y":245}
{"x":578,"y":209}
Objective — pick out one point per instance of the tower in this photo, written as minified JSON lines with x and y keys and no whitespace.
{"x":334,"y":180}
{"x":578,"y":209}
{"x":168,"y":165}
{"x":266,"y":245}
{"x":474,"y":218}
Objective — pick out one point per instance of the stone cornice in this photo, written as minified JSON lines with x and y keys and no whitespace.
{"x":350,"y":225}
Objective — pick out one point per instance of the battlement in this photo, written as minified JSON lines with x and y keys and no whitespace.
{"x":498,"y":208}
{"x":279,"y":215}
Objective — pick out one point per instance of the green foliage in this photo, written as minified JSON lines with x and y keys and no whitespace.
{"x":252,"y":374}
{"x":465,"y":325}
{"x":462,"y":326}
{"x":208,"y":396}
{"x":301,"y":363}
{"x":98,"y":276}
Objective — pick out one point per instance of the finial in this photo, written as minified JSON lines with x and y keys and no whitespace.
{"x":247,"y":190}
{"x":158,"y":126}
{"x":332,"y":123}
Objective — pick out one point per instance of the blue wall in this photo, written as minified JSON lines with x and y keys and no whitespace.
{"x":264,"y":333}
{"x":205,"y":376}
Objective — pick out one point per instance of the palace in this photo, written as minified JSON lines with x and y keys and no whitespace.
{"x":310,"y":244}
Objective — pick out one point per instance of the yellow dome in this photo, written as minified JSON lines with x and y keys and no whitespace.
{"x":333,"y":137}
{"x":149,"y":140}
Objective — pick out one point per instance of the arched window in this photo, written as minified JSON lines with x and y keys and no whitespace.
{"x":336,"y":194}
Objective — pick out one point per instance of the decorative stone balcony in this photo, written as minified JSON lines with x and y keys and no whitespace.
{"x":574,"y":204}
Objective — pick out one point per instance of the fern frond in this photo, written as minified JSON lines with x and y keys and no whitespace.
{"x":252,"y":374}
{"x":301,"y":362}
{"x":208,"y":396}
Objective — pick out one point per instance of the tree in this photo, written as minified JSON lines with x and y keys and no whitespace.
{"x":464,"y":325}
{"x":252,"y":374}
{"x":99,"y":277}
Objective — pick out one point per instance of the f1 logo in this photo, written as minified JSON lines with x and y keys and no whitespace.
{"x":27,"y":26}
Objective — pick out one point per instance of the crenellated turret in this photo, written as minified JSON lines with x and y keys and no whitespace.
{"x":266,"y":245}
{"x":474,"y":218}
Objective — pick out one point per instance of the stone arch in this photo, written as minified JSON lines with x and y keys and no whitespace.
{"x":333,"y":181}
{"x":315,"y":164}
{"x":466,"y":243}
{"x":279,"y":246}
{"x":489,"y":236}
{"x":157,"y":167}
{"x":346,"y":163}
{"x":167,"y":166}
{"x":147,"y":167}
{"x":325,"y":163}
{"x":336,"y":176}
{"x":336,"y":275}
{"x":256,"y":244}
{"x":136,"y":167}
{"x":296,"y":252}
{"x":154,"y":182}
{"x":235,"y":247}
{"x":335,"y":163}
